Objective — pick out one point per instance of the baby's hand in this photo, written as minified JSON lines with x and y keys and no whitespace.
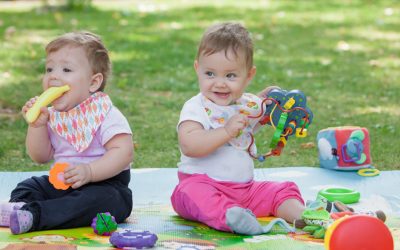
{"x":236,"y":124}
{"x":78,"y":175}
{"x":43,"y":117}
{"x":264,"y":93}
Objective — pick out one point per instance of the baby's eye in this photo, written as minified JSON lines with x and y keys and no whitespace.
{"x":48,"y":70}
{"x":66,"y":70}
{"x":210,"y":74}
{"x":231,"y":76}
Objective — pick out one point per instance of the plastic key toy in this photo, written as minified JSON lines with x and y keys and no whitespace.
{"x":137,"y":239}
{"x":288,"y":115}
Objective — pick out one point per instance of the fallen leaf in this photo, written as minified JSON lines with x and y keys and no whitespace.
{"x":308,"y":145}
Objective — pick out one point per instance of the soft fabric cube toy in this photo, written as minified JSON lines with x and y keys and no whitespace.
{"x":344,"y":148}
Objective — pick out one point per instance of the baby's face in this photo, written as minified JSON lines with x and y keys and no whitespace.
{"x":223,"y":78}
{"x":69,"y":66}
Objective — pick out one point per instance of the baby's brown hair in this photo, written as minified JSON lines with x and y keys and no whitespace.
{"x":96,"y":52}
{"x":225,"y":36}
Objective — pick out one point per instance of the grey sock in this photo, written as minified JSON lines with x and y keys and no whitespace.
{"x":243,"y":221}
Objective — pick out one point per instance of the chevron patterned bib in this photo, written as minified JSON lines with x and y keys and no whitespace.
{"x":79,"y":125}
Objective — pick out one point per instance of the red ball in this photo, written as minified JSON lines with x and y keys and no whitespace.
{"x":360,"y":232}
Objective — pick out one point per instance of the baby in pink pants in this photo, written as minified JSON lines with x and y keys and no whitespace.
{"x":216,"y":185}
{"x":200,"y":198}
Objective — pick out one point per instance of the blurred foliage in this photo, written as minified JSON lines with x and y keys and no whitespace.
{"x":69,"y":5}
{"x":344,"y":55}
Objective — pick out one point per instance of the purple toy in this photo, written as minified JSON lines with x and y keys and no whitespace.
{"x":137,"y":239}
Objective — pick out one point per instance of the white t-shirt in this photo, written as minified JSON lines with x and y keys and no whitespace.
{"x":227,"y":163}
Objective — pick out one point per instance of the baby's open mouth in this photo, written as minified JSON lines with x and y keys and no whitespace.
{"x":222,"y":95}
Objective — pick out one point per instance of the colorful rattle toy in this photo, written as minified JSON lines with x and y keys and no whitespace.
{"x":56,"y":176}
{"x":318,"y":222}
{"x":136,"y":239}
{"x":104,"y":224}
{"x":44,"y":99}
{"x":288,"y":115}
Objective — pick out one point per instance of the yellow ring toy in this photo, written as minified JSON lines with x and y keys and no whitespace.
{"x":368,"y":172}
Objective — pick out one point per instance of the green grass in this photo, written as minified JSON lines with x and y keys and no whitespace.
{"x":343,"y":54}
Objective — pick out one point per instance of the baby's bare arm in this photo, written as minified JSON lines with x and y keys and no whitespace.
{"x":195,"y":141}
{"x":37,"y":140}
{"x":263,"y":93}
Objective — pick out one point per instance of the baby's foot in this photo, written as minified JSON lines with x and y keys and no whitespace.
{"x":20,"y":221}
{"x":243,"y":221}
{"x":5,"y":211}
{"x":299,"y":223}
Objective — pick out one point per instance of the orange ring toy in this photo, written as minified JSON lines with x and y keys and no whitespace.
{"x":56,"y":176}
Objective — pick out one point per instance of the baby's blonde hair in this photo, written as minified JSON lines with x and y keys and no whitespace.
{"x":225,"y":36}
{"x":96,"y":52}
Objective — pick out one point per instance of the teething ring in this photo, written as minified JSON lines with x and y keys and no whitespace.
{"x":345,"y":195}
{"x":133,"y":239}
{"x":56,"y":176}
{"x":368,"y":172}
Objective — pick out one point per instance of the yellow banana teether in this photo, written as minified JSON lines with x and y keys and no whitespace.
{"x":44,"y":99}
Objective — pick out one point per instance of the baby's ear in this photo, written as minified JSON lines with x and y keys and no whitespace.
{"x":95,"y":84}
{"x":251,"y":74}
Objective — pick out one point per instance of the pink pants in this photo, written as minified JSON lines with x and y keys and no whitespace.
{"x":197,"y":197}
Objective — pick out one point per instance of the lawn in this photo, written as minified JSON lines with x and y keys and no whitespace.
{"x":343,"y":54}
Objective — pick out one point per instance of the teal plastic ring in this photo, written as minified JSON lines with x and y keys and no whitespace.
{"x":345,"y":195}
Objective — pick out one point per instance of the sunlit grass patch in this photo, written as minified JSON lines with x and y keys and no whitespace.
{"x":343,"y":54}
